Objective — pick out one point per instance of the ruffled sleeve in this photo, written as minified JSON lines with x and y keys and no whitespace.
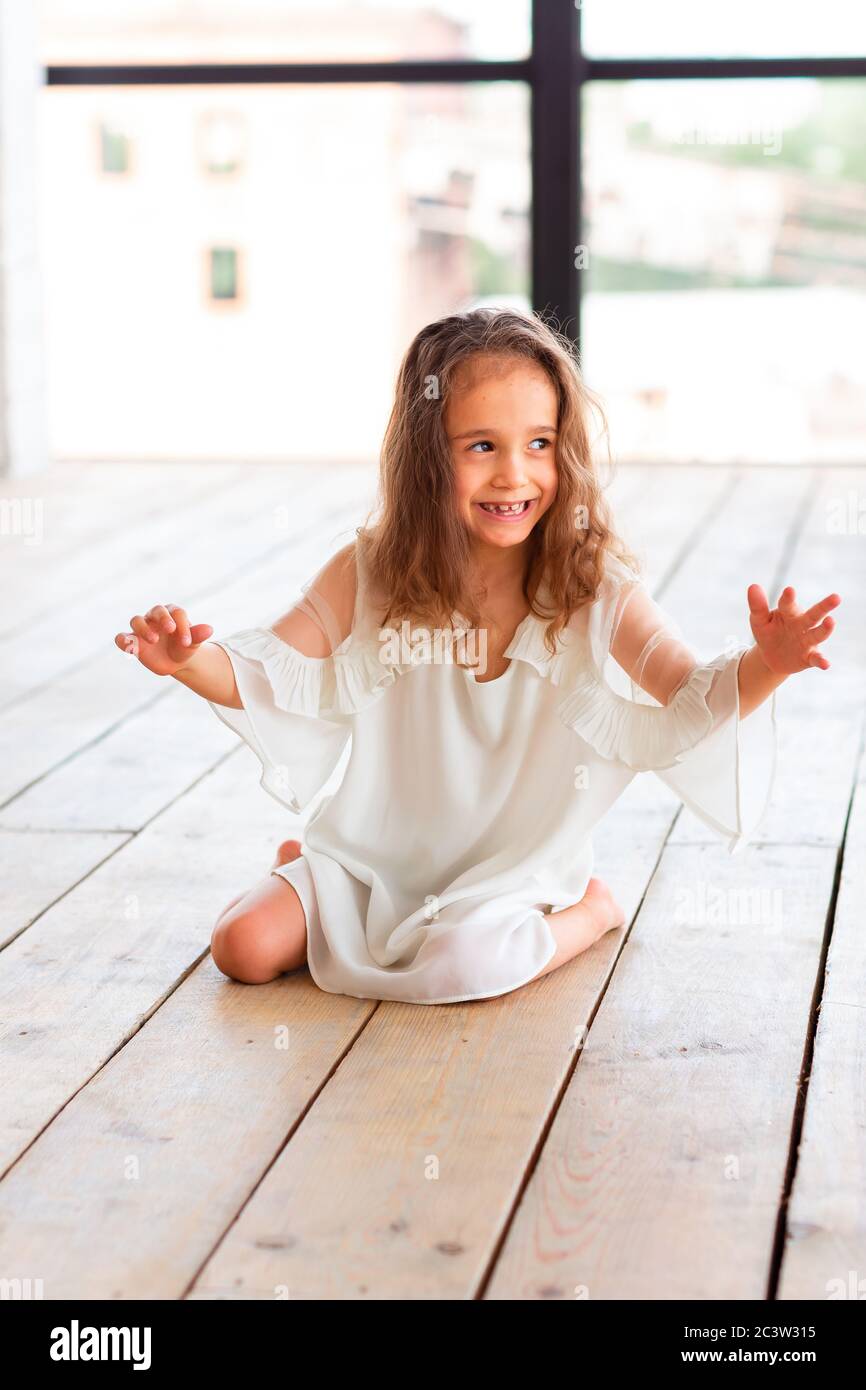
{"x":289,"y":718}
{"x":689,"y":731}
{"x":298,"y":709}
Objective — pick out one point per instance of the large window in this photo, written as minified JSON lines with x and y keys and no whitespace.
{"x":734,"y":29}
{"x":215,"y":31}
{"x":726,"y":277}
{"x":363,"y":212}
{"x":680,"y":186}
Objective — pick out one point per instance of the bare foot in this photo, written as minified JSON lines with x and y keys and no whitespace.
{"x":286,"y":852}
{"x":579,"y":926}
{"x":606,"y":911}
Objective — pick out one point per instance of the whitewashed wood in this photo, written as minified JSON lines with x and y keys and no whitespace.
{"x":184,"y":553}
{"x":84,"y":977}
{"x":825,"y":1251}
{"x":413,"y":1266}
{"x":37,"y":869}
{"x":661,"y":1175}
{"x":376,"y":1234}
{"x":103,"y":1027}
{"x":67,"y":715}
{"x":123,"y":780}
{"x":606,"y":1242}
{"x":127,"y":1192}
{"x":96,"y":515}
{"x":81,"y":502}
{"x":819,"y":712}
{"x":120,"y":779}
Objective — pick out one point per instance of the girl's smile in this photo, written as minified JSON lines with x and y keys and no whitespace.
{"x":507,"y":511}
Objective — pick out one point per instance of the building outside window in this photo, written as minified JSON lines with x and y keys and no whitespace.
{"x":114,"y":149}
{"x":223,"y":265}
{"x":221,"y":142}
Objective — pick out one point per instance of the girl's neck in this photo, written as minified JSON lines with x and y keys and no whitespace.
{"x":500,"y":572}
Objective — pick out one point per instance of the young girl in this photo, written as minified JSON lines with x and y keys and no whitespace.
{"x":467,"y":649}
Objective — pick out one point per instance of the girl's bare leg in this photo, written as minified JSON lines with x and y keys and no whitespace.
{"x":578,"y":927}
{"x":262,"y":933}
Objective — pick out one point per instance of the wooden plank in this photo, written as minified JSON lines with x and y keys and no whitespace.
{"x":126,"y":1193}
{"x":676,"y":1246}
{"x":825,"y":1246}
{"x":819,"y":711}
{"x":107,"y":783}
{"x":124,"y":779}
{"x":187,"y":552}
{"x":66,"y":716}
{"x":97,"y":513}
{"x":102,"y":1235}
{"x":102,"y":1031}
{"x":36,"y":870}
{"x":353,"y":1244}
{"x":661,"y":1175}
{"x":83,"y":978}
{"x":464,"y":1261}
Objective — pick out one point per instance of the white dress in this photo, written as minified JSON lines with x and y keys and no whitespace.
{"x":466,"y":807}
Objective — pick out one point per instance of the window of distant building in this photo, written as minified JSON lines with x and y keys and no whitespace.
{"x":223,"y":274}
{"x":114,"y":149}
{"x":221,"y":140}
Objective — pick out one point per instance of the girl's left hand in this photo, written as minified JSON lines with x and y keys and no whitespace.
{"x":788,"y":636}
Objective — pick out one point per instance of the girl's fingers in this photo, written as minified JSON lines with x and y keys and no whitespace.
{"x":817,"y":611}
{"x":757,"y":599}
{"x":142,"y":628}
{"x":162,"y":620}
{"x":787,"y":601}
{"x":159,"y":616}
{"x":818,"y":634}
{"x":181,"y":625}
{"x":816,"y":659}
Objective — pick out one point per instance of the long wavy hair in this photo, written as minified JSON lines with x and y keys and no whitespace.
{"x":418,"y":550}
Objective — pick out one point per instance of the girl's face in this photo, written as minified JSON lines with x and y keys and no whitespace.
{"x":501,"y":424}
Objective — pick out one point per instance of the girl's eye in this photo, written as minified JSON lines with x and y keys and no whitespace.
{"x":486,"y":444}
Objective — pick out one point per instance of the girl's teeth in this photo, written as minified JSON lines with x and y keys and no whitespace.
{"x":506,"y":507}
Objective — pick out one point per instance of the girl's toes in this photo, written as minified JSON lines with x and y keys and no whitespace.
{"x":286,"y":852}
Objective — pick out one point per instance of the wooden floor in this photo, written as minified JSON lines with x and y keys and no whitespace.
{"x":679,"y":1113}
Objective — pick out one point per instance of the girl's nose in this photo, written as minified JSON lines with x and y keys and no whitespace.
{"x":510,"y":469}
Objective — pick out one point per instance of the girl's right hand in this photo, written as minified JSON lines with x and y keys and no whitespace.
{"x":163,"y":640}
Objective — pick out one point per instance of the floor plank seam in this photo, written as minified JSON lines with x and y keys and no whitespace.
{"x":308,"y":1105}
{"x":131,"y":837}
{"x":778,"y":1248}
{"x":140,"y":1023}
{"x":569,"y":1074}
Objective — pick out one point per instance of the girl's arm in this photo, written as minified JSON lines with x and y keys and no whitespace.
{"x":755,"y":681}
{"x":210,"y":674}
{"x":786,"y":641}
{"x":167,"y":645}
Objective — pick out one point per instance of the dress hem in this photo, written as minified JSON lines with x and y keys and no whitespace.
{"x":451,"y":999}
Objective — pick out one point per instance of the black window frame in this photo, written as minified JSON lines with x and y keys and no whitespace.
{"x":555,"y":73}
